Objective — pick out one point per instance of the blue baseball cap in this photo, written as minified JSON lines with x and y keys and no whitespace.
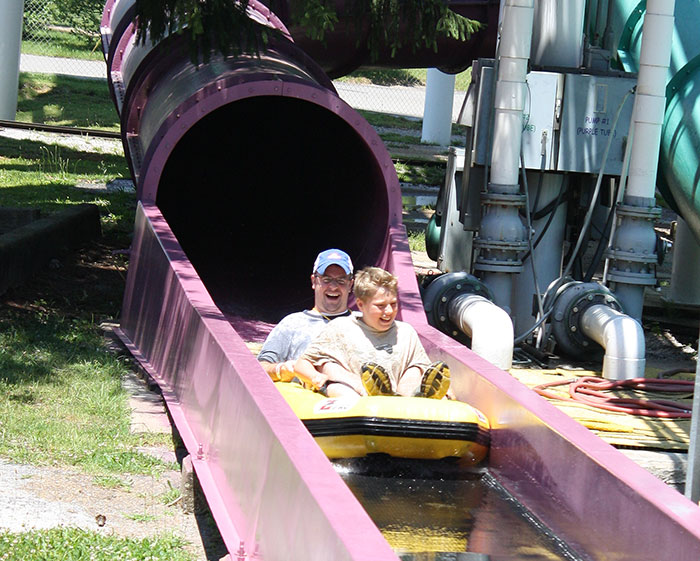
{"x":332,"y":257}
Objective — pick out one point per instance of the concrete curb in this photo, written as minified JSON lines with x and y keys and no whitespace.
{"x":27,"y":249}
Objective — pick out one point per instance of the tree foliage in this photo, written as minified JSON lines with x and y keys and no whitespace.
{"x":83,"y":16}
{"x":212,"y":25}
{"x":396,"y":23}
{"x":222,"y":25}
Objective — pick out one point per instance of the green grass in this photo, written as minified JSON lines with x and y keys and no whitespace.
{"x":416,"y":240}
{"x":402,"y":77}
{"x":111,"y":482}
{"x":401,"y":125}
{"x":72,"y":544}
{"x":399,"y":138}
{"x":391,"y":121}
{"x":61,"y":399}
{"x":65,"y":100}
{"x":64,"y":44}
{"x":43,"y":175}
{"x":141,"y":517}
{"x":170,"y":496}
{"x":423,"y":174}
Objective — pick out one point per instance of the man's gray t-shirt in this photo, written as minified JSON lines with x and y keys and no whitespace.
{"x":291,"y":336}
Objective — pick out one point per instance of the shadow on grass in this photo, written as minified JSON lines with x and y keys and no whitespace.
{"x":52,"y":321}
{"x":36,"y":149}
{"x":36,"y":343}
{"x":44,"y":175}
{"x":65,"y":100}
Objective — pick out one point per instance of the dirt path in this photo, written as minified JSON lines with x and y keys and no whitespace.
{"x":134,"y":506}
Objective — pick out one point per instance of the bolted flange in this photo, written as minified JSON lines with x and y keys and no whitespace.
{"x":633,"y":254}
{"x":438,"y":294}
{"x":502,"y":236}
{"x":567,"y":312}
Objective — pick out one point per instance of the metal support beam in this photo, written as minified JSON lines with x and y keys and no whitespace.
{"x":692,"y":477}
{"x":10,"y":42}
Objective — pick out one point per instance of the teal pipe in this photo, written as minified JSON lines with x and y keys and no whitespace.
{"x":679,"y":156}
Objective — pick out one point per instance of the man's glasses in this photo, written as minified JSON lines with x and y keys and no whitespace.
{"x":340,"y":281}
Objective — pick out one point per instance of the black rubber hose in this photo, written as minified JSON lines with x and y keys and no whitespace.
{"x":553,"y":206}
{"x":603,"y":241}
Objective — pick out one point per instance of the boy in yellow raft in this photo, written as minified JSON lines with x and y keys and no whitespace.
{"x":373,"y":353}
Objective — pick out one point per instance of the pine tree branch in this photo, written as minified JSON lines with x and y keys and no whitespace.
{"x":222,"y":25}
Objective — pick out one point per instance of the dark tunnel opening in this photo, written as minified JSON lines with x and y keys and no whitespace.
{"x":254,"y":190}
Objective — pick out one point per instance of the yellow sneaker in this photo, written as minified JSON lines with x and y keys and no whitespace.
{"x":375,"y":379}
{"x":436,"y":381}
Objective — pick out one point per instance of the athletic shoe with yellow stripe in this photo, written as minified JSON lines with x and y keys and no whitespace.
{"x":436,"y":381}
{"x":375,"y":379}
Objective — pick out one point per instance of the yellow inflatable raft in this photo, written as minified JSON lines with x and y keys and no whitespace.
{"x":403,"y":427}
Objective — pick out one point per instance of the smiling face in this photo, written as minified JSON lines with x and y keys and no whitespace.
{"x":331,"y":290}
{"x":379,"y":310}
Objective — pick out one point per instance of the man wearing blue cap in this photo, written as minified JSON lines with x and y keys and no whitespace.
{"x":331,"y":281}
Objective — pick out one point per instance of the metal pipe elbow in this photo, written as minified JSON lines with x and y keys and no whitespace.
{"x":622,"y":338}
{"x":489,"y":326}
{"x":462,"y":306}
{"x":586,"y":313}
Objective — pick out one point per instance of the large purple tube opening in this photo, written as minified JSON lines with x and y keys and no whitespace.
{"x":254,"y":190}
{"x":254,"y":162}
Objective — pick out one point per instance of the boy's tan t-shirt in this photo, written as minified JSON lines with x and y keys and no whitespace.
{"x":350,"y":342}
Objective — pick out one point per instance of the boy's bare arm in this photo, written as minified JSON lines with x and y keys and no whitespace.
{"x":337,"y":373}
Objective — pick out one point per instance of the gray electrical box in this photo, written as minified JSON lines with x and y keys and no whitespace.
{"x":567,"y":122}
{"x":589,"y":107}
{"x":539,"y":119}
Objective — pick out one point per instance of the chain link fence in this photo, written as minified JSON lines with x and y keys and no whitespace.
{"x":62,"y":37}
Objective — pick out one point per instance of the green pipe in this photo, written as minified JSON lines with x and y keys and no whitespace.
{"x":679,"y":156}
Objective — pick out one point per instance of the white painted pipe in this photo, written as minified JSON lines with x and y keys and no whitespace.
{"x":622,"y":338}
{"x":10,"y":46}
{"x":557,"y":37}
{"x":650,"y":98}
{"x":502,"y":233}
{"x":437,"y":111}
{"x":635,"y":239}
{"x":511,"y":90}
{"x":489,"y":327}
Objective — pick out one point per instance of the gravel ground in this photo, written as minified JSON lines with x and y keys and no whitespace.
{"x":44,"y":497}
{"x":22,"y":509}
{"x":74,"y":141}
